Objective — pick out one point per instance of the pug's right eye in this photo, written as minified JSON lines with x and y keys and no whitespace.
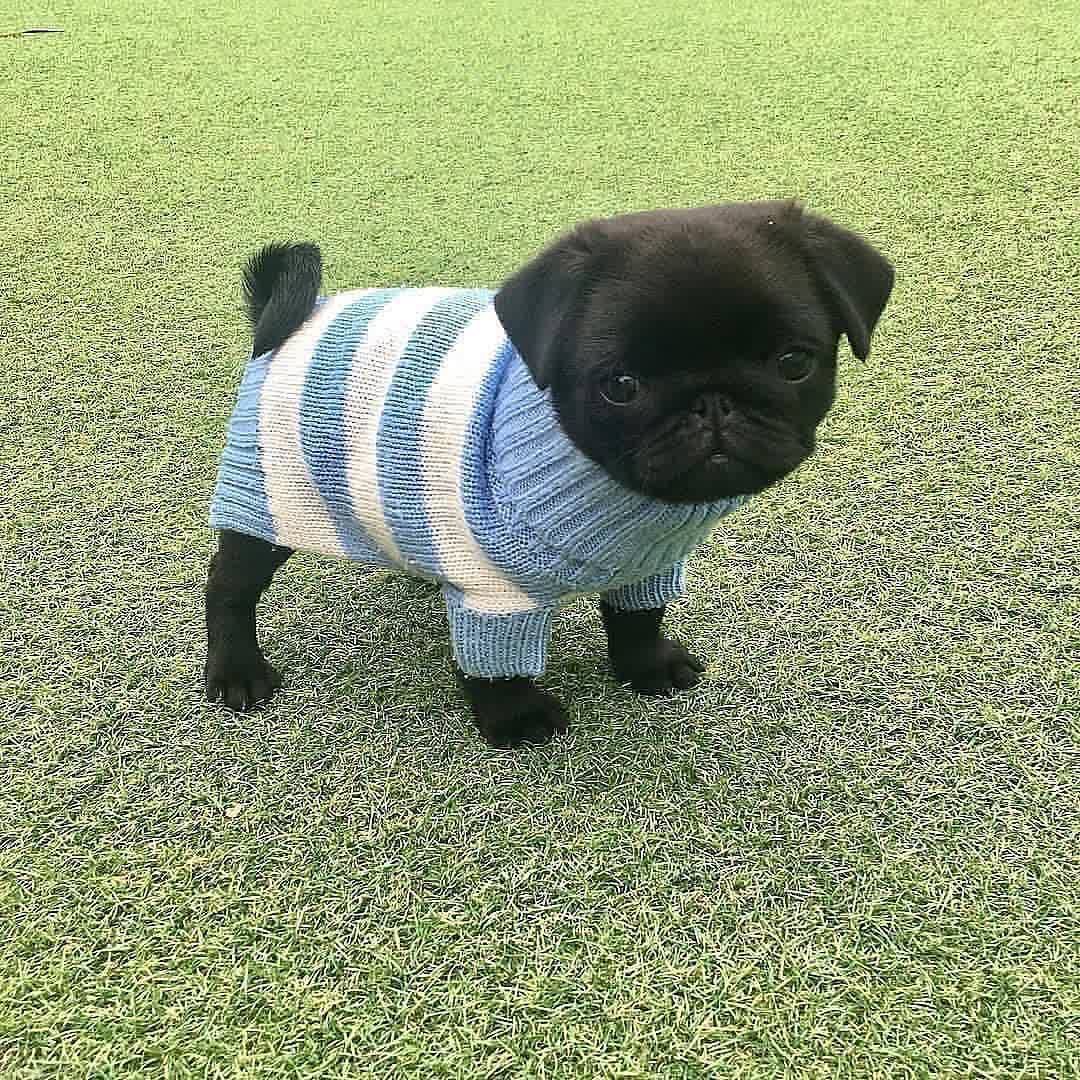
{"x":620,"y":389}
{"x":796,"y":366}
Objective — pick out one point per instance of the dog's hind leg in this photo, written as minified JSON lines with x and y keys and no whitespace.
{"x":236,"y":670}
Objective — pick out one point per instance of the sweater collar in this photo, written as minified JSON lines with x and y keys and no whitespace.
{"x":542,"y":481}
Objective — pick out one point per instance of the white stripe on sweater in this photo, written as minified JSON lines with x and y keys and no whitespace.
{"x":300,"y":515}
{"x":376,"y":359}
{"x":447,"y":413}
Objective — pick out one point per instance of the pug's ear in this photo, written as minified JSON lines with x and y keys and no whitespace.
{"x":537,"y":304}
{"x":856,"y":279}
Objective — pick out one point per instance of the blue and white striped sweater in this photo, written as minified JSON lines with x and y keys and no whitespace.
{"x":400,"y":427}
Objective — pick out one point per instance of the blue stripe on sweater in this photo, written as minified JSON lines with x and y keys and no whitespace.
{"x":493,"y":532}
{"x":239,"y":501}
{"x":322,"y":406}
{"x":399,"y":458}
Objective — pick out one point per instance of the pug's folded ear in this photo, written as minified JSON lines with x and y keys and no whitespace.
{"x":856,"y":279}
{"x":538,"y":303}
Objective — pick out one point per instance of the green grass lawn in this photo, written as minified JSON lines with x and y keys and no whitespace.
{"x":854,"y":850}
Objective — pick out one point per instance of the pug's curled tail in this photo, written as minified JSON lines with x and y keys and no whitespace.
{"x":281,"y":285}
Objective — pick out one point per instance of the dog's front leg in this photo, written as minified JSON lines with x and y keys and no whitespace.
{"x":641,"y":656}
{"x":491,"y":650}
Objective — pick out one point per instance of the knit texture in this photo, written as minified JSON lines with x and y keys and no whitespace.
{"x":400,"y":427}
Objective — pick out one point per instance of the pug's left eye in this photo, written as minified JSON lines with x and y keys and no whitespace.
{"x":620,"y":389}
{"x":795,"y":366}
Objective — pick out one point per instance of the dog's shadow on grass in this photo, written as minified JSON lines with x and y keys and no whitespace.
{"x":371,"y":710}
{"x":366,"y":658}
{"x":375,"y":644}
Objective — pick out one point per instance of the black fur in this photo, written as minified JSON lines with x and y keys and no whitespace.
{"x":281,"y":284}
{"x":236,"y":671}
{"x":724,"y":319}
{"x":510,"y":712}
{"x":698,"y":306}
{"x":641,"y":656}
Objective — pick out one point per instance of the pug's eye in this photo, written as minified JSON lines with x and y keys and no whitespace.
{"x":795,"y":366}
{"x":620,"y":389}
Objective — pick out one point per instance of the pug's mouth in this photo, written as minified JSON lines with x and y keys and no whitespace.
{"x":719,"y":474}
{"x":720,"y":471}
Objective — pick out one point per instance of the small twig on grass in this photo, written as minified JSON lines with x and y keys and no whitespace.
{"x":31,"y":30}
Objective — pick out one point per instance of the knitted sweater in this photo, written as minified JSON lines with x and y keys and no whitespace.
{"x":400,"y":427}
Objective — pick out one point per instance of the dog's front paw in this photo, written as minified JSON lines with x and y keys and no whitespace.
{"x":510,"y":712}
{"x":240,"y":680}
{"x":658,"y":668}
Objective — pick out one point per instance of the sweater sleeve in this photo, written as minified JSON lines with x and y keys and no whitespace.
{"x":497,"y":645}
{"x":650,"y":592}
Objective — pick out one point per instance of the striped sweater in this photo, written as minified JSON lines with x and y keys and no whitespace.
{"x":400,"y":427}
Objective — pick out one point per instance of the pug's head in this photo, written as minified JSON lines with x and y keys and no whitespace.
{"x":692,"y":353}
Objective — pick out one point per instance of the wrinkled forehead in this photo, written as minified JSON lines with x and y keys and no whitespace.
{"x":690,"y":313}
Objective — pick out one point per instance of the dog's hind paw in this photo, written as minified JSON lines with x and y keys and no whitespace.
{"x":242,"y":683}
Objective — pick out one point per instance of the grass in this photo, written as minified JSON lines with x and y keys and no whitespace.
{"x":854,"y":851}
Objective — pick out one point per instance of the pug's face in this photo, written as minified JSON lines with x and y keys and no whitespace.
{"x":692,"y":353}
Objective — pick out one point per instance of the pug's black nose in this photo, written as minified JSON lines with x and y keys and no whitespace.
{"x":713,"y":407}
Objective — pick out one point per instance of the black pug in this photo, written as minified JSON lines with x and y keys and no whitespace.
{"x":581,"y":429}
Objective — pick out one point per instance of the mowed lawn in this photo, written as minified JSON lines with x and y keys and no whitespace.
{"x":853,"y":851}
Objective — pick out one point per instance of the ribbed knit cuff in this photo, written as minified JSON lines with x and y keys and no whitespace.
{"x":651,"y":592}
{"x":239,"y":502}
{"x":498,"y":646}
